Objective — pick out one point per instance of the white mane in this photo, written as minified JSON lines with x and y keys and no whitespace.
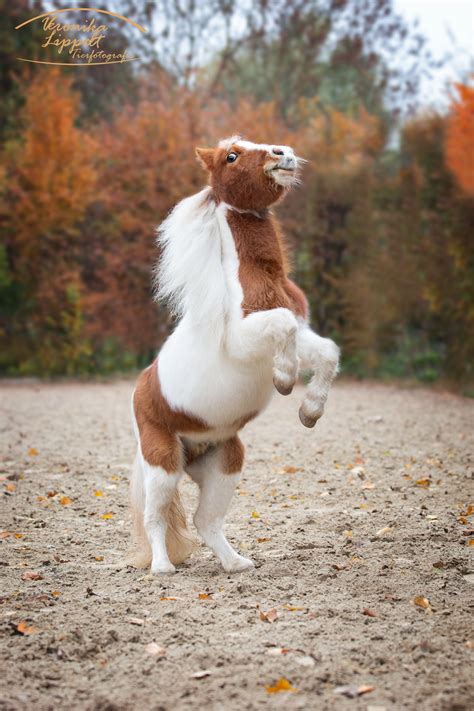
{"x":190,"y":276}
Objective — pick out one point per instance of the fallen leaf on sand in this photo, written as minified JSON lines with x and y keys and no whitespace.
{"x":51,"y":494}
{"x":99,"y":557}
{"x":353,"y":692}
{"x":201,"y":674}
{"x":56,"y":593}
{"x":255,"y":514}
{"x":98,"y":493}
{"x":383,"y":531}
{"x":424,"y":483}
{"x":32,"y":452}
{"x":107,"y":515}
{"x":26,"y":629}
{"x":422,"y":602}
{"x":470,"y":542}
{"x":204,"y":596}
{"x":291,"y":470}
{"x":263,"y":540}
{"x":293,"y":608}
{"x":281,"y":685}
{"x":136,"y":621}
{"x":348,"y":534}
{"x":154,"y":650}
{"x":65,"y":501}
{"x":170,"y":598}
{"x":30,"y":575}
{"x":269,"y":616}
{"x":11,"y":487}
{"x":365,"y":689}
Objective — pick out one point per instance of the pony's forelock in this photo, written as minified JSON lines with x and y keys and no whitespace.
{"x":228,"y":142}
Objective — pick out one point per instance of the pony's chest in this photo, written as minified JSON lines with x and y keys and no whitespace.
{"x":261,"y":289}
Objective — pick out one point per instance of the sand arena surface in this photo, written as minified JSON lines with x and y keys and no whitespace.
{"x":347,"y":523}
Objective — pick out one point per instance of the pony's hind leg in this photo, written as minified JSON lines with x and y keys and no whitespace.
{"x":164,"y":520}
{"x":321,"y":356}
{"x":140,"y":556}
{"x":160,"y":488}
{"x":217,"y":474}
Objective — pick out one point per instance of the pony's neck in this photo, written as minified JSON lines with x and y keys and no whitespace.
{"x":258,"y":242}
{"x":262,"y":262}
{"x":260,"y":214}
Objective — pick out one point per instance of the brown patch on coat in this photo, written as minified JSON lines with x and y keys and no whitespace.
{"x":242,"y":421}
{"x":233,"y":452}
{"x":263,"y":265}
{"x":299,"y":302}
{"x":158,"y":424}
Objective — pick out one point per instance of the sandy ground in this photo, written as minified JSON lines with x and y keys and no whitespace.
{"x":348,"y":524}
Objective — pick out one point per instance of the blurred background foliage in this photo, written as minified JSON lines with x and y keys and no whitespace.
{"x":93,"y":159}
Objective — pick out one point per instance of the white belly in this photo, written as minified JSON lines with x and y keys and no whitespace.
{"x":198,"y":377}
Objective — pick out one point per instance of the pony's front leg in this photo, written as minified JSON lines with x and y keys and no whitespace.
{"x":270,"y":334}
{"x":217,"y":475}
{"x":321,"y":356}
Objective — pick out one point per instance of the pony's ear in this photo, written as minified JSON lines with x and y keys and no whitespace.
{"x":206,"y":157}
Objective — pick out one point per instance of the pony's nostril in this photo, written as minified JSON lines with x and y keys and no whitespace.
{"x":278,"y":151}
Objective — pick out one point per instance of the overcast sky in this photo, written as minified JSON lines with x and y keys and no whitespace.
{"x":449,"y":27}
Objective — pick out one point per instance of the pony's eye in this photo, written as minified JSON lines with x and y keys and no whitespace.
{"x":232,"y":157}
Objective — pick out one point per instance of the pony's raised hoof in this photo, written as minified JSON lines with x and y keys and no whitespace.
{"x":282,"y":389}
{"x":306,"y":420}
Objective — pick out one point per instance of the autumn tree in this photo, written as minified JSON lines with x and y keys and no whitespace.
{"x":459,"y":147}
{"x":51,"y":181}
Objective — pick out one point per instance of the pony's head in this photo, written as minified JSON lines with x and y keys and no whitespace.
{"x":249,"y":176}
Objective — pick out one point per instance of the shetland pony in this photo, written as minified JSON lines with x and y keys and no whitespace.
{"x":242,"y":332}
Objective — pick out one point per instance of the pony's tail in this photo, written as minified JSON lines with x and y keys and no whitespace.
{"x":179,"y":541}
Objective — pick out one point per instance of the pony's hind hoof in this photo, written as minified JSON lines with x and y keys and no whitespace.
{"x":282,"y":389}
{"x":238,"y":564}
{"x":306,"y":420}
{"x":163,"y":568}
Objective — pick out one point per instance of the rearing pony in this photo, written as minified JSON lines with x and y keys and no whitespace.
{"x":242,"y":332}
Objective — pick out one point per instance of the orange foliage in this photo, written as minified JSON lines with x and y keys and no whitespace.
{"x":147,"y":165}
{"x":55,"y":165}
{"x":459,"y":148}
{"x":51,"y":184}
{"x":335,"y":141}
{"x":81,"y":205}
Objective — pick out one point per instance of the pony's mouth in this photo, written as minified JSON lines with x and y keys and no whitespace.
{"x":284,"y":174}
{"x":286,"y":170}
